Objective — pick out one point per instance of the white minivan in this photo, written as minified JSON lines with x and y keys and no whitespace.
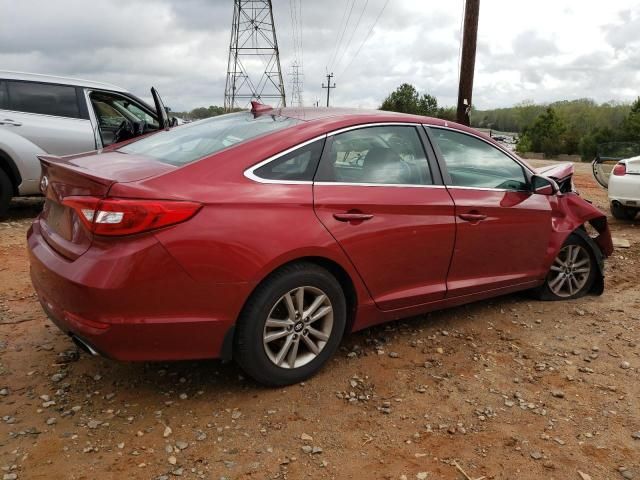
{"x":43,"y":114}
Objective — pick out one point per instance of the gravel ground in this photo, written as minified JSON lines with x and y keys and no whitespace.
{"x":510,"y":388}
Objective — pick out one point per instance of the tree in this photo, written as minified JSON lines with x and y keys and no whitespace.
{"x":406,"y":99}
{"x":545,"y":134}
{"x":631,"y":124}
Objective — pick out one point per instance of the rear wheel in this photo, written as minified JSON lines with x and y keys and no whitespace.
{"x":572,"y":272}
{"x":291,"y":325}
{"x":623,"y":213}
{"x":6,"y":192}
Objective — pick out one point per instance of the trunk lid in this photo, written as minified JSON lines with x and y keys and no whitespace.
{"x":83,"y":175}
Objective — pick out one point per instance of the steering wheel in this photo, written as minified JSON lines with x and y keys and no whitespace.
{"x":125,"y":131}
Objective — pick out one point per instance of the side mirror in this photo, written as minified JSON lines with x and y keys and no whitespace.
{"x":543,"y":185}
{"x":173,"y":122}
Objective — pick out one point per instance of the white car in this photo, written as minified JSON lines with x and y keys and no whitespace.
{"x":623,"y":185}
{"x":42,"y":114}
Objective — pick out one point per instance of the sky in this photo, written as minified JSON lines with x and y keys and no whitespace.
{"x":541,"y":51}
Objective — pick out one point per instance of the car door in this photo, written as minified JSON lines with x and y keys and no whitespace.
{"x":503,"y":229}
{"x":383,"y":201}
{"x":51,"y":116}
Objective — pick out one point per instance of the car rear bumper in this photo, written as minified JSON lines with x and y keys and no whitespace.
{"x":625,"y":190}
{"x":133,"y":302}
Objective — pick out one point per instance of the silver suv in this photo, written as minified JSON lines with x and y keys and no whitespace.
{"x":42,"y":114}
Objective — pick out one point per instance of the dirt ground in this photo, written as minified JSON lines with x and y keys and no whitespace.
{"x":507,"y":389}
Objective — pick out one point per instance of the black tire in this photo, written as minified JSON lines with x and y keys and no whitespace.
{"x":249,"y":350}
{"x":623,"y":213}
{"x":6,"y":192}
{"x":545,"y":292}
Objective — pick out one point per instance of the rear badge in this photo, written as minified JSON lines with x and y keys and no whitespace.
{"x":44,"y":184}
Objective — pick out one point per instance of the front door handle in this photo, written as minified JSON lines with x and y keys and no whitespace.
{"x":472,"y":217}
{"x":352,"y":217}
{"x":8,"y":121}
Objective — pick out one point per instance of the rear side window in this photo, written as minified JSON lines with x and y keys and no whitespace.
{"x":299,"y":165}
{"x":191,"y":142}
{"x":43,"y":98}
{"x":4,"y":101}
{"x":391,"y":155}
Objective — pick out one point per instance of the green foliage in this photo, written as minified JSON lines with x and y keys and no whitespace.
{"x":583,"y":123}
{"x":201,"y":112}
{"x":406,"y":99}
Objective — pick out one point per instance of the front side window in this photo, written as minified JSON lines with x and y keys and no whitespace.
{"x":43,"y":98}
{"x":191,"y":142}
{"x":299,"y":165}
{"x":472,"y":162}
{"x":390,"y":154}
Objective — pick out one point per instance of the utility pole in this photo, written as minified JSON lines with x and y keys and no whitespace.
{"x":329,"y":86}
{"x":253,"y":69}
{"x":468,"y":60}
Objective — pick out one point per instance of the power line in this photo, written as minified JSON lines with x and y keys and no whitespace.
{"x":365,"y":38}
{"x":344,"y":29}
{"x":352,"y":33}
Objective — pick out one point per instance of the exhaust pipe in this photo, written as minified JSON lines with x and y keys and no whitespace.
{"x":84,"y":346}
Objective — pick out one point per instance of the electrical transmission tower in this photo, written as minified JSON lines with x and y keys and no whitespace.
{"x":296,"y":85}
{"x":253,"y":70}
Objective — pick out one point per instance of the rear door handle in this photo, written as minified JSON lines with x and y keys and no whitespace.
{"x":8,"y":121}
{"x":472,"y":217}
{"x":352,"y":217}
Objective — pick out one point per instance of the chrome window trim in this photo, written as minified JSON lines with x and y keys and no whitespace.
{"x":356,"y":184}
{"x":250,"y":172}
{"x":488,"y":189}
{"x":504,"y":151}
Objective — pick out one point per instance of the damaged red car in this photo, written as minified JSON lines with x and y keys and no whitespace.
{"x":267,"y":235}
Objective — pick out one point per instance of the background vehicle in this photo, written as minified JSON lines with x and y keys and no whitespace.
{"x":266,"y":235}
{"x":45,"y":114}
{"x":617,"y":168}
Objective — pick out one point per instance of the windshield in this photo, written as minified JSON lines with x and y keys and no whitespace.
{"x":194,"y":141}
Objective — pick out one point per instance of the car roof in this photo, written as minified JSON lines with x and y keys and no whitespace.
{"x":356,"y":116}
{"x":76,"y":82}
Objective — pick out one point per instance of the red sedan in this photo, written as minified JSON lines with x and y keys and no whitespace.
{"x":265,"y":236}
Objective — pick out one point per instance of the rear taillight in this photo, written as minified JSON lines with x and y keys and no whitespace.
{"x":128,"y":216}
{"x":620,"y":169}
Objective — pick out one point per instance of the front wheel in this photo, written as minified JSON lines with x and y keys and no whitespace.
{"x":291,"y":325}
{"x":572,"y":272}
{"x":6,"y":192}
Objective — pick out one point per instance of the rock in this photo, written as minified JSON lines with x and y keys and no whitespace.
{"x":4,"y":392}
{"x":316,"y":450}
{"x":201,"y":436}
{"x":236,"y":414}
{"x":183,"y":396}
{"x":307,"y":448}
{"x":10,"y":476}
{"x":557,"y":393}
{"x":440,"y":350}
{"x":627,"y":474}
{"x":172,"y":460}
{"x":58,"y":377}
{"x":536,"y":455}
{"x":182,"y":445}
{"x":422,"y":475}
{"x":306,"y":438}
{"x":167,"y":431}
{"x":51,"y":421}
{"x":620,"y":242}
{"x":625,"y":365}
{"x":93,"y":424}
{"x":584,"y":476}
{"x":636,"y":435}
{"x":394,"y":354}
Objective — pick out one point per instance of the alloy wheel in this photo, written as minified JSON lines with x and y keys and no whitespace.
{"x":298,"y":327}
{"x":570,"y":271}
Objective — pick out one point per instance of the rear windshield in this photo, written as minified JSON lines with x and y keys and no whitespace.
{"x":194,"y":141}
